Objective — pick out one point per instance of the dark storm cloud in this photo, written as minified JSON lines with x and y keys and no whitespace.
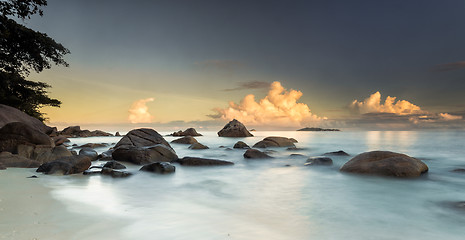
{"x":449,"y":66}
{"x":249,"y":85}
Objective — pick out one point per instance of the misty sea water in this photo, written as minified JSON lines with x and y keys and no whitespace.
{"x":278,"y":198}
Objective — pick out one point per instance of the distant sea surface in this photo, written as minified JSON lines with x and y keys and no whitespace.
{"x":265,"y":199}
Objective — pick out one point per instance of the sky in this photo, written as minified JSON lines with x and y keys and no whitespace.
{"x":389,"y":65}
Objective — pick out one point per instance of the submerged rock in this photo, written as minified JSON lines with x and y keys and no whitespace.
{"x":198,"y":146}
{"x":254,"y":153}
{"x":385,"y":163}
{"x":66,"y":165}
{"x":319,"y":161}
{"x":91,"y":153}
{"x":187,"y":132}
{"x":338,"y":153}
{"x":93,"y":145}
{"x":241,"y":144}
{"x":114,"y":165}
{"x":296,"y":155}
{"x":195,"y":161}
{"x":234,"y":129}
{"x":459,"y":170}
{"x":105,"y":156}
{"x":275,"y":142}
{"x":185,"y":140}
{"x":115,"y":173}
{"x":159,"y":167}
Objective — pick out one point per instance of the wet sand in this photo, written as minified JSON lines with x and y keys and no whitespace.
{"x":28,"y":211}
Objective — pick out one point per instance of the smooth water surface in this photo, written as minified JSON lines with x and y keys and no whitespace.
{"x":268,"y":199}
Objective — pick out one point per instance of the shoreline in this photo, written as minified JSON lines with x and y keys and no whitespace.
{"x":28,"y":210}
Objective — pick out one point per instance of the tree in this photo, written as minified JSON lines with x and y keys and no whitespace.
{"x":22,"y":50}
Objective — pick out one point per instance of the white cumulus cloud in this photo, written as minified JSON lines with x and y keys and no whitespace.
{"x":278,"y":108}
{"x":373,"y":104}
{"x":139,"y":112}
{"x":449,"y":117}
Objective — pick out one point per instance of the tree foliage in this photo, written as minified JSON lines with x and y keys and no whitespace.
{"x":23,"y":50}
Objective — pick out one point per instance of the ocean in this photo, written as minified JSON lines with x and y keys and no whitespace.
{"x":276,"y":198}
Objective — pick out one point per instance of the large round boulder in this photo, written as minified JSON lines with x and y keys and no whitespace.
{"x":143,"y":146}
{"x":10,"y":114}
{"x":276,"y":142}
{"x":234,"y":129}
{"x":142,"y":137}
{"x":385,"y":163}
{"x":144,"y":155}
{"x":17,"y":133}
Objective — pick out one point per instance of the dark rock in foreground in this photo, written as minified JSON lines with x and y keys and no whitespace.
{"x":194,"y":161}
{"x":319,"y":161}
{"x":234,"y":129}
{"x":254,"y":153}
{"x":66,"y":165}
{"x":159,"y":167}
{"x":198,"y":146}
{"x":8,"y":160}
{"x":16,"y":133}
{"x":185,"y":140}
{"x":114,"y":165}
{"x":385,"y":163}
{"x":187,"y":132}
{"x":241,"y":144}
{"x":275,"y":142}
{"x":338,"y":153}
{"x":10,"y":114}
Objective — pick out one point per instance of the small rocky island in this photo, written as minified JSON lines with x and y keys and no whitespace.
{"x":314,"y":129}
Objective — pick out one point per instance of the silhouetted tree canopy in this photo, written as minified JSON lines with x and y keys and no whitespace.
{"x":22,"y":50}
